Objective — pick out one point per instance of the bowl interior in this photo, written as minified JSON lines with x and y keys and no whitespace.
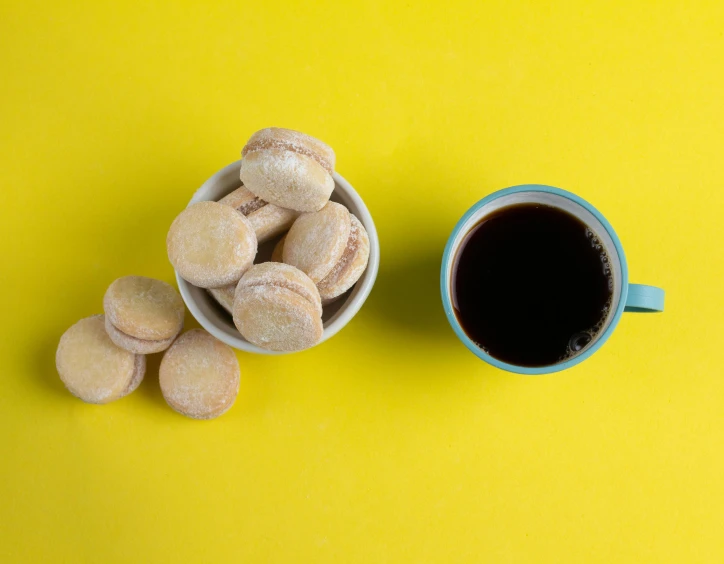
{"x":217,"y":321}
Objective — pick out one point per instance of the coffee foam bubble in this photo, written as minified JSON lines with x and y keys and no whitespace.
{"x":581,"y":340}
{"x":576,"y":344}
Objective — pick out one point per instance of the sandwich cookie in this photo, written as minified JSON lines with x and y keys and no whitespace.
{"x":277,"y":307}
{"x":199,"y":375}
{"x":267,"y":219}
{"x":331,"y":246}
{"x":93,"y":367}
{"x":143,"y":315}
{"x":211,"y":245}
{"x":288,"y":169}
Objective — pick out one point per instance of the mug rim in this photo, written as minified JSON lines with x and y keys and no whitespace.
{"x":449,"y":255}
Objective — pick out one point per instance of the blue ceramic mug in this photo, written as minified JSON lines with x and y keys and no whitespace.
{"x":626,"y":297}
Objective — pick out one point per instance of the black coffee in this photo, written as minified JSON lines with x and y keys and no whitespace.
{"x":531,"y":285}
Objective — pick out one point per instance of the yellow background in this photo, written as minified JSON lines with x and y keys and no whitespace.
{"x":391,"y":442}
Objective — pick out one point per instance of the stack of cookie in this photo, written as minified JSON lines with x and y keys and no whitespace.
{"x":322,"y":249}
{"x":102,"y":358}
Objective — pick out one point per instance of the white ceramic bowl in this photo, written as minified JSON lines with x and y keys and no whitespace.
{"x":336,"y":315}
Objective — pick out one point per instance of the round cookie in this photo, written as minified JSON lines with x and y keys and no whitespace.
{"x":350,"y":267}
{"x":277,"y":307}
{"x":316,"y":241}
{"x":211,"y":244}
{"x":267,"y":219}
{"x":224,"y":296}
{"x":199,"y":375}
{"x":92,"y":367}
{"x":143,"y":315}
{"x":288,"y":169}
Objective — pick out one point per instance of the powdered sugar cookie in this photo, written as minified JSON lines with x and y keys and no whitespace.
{"x":92,"y":367}
{"x":199,"y":375}
{"x":277,"y":307}
{"x":143,"y":315}
{"x":211,"y":245}
{"x":267,"y":219}
{"x":350,"y":266}
{"x":288,"y":168}
{"x":317,"y":241}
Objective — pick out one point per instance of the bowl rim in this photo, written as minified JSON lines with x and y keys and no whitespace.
{"x":346,"y":312}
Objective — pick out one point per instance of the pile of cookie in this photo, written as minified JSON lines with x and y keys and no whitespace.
{"x":102,"y":358}
{"x":286,"y":185}
{"x":322,"y":252}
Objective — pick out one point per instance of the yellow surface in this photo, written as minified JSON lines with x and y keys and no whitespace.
{"x":391,"y":442}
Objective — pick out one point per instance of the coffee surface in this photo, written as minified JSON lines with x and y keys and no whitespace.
{"x":532,"y":285}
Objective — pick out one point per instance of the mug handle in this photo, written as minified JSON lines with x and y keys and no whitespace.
{"x":644,"y":299}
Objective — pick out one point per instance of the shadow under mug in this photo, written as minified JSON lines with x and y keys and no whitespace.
{"x":626,"y":297}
